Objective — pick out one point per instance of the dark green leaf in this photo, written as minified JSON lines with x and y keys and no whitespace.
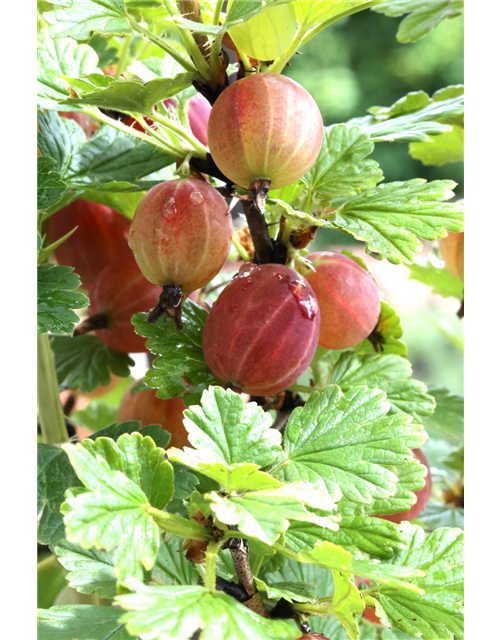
{"x":57,"y":296}
{"x":50,"y":186}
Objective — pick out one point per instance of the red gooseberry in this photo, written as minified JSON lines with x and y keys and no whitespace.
{"x":148,"y":409}
{"x":101,"y":237}
{"x":347,"y":296}
{"x":181,"y":234}
{"x":262,"y":332}
{"x":119,"y":292}
{"x":265,"y":127}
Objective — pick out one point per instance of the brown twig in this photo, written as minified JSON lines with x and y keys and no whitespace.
{"x":92,"y":323}
{"x":239,"y":553}
{"x":264,"y":249}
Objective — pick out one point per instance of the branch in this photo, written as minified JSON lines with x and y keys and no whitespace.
{"x":239,"y":552}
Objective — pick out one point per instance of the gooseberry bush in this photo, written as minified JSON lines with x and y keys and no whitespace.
{"x":264,"y":480}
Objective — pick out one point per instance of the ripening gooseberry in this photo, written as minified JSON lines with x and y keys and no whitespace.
{"x":262,"y":331}
{"x":422,"y":495}
{"x":148,"y":409}
{"x":268,"y":34}
{"x":451,"y":249}
{"x":101,"y":237}
{"x":347,"y":296}
{"x":119,"y":292}
{"x":265,"y":127}
{"x":181,"y":234}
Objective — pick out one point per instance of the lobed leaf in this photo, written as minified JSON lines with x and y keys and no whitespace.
{"x":440,"y":280}
{"x":82,"y":621}
{"x":56,"y":299}
{"x":50,"y":187}
{"x":81,"y":18}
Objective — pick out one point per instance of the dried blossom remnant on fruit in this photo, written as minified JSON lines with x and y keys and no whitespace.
{"x":265,"y":127}
{"x":262,"y":331}
{"x":245,"y":239}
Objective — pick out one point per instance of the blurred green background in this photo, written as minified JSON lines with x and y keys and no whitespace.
{"x":356,"y":64}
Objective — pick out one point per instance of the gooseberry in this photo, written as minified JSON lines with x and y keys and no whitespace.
{"x":347,"y":296}
{"x":101,"y":237}
{"x":148,"y":409}
{"x":451,"y":249}
{"x":198,"y":114}
{"x":119,"y":292}
{"x":267,"y":34}
{"x":422,"y":495}
{"x":262,"y":331}
{"x":181,"y":235}
{"x":265,"y":127}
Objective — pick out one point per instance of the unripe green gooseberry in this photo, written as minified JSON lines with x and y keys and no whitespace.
{"x":181,"y":234}
{"x":265,"y":127}
{"x":267,"y":34}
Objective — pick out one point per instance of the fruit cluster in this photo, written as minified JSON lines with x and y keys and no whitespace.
{"x":264,"y":329}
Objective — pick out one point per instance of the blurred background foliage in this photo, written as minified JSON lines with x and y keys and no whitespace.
{"x":356,"y":64}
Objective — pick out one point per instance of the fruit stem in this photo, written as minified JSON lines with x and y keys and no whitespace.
{"x":240,"y":248}
{"x":50,"y":411}
{"x":163,"y":44}
{"x":197,"y":57}
{"x":239,"y":552}
{"x":210,"y":564}
{"x":179,"y":526}
{"x":259,"y":232}
{"x":170,"y":305}
{"x":217,"y":11}
{"x":92,"y":323}
{"x":122,"y":61}
{"x":181,"y":132}
{"x":300,"y":388}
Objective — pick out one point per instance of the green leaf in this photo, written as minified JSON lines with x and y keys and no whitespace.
{"x":90,"y":570}
{"x":57,"y":296}
{"x":392,"y":217}
{"x":160,"y":437}
{"x":235,"y":432}
{"x":50,"y":186}
{"x":82,"y":18}
{"x":173,"y":567}
{"x":415,"y":117}
{"x":455,"y":461}
{"x":177,"y":612}
{"x":181,"y":365}
{"x":130,"y":95}
{"x":347,"y":603}
{"x":387,"y":334}
{"x":342,"y":169}
{"x":440,"y":280}
{"x":50,"y":580}
{"x":390,"y":373}
{"x":437,"y":613}
{"x":54,"y":476}
{"x":347,"y":441}
{"x":266,"y":514}
{"x":318,"y":579}
{"x":311,"y":15}
{"x":113,"y":513}
{"x":111,"y":159}
{"x":82,"y":621}
{"x":96,"y":415}
{"x":335,"y":558}
{"x":289,"y":591}
{"x":411,"y":478}
{"x":423,"y":16}
{"x":448,"y":418}
{"x":56,"y":58}
{"x":138,"y":458}
{"x":239,"y":476}
{"x":439,"y":150}
{"x":442,"y":515}
{"x":379,"y":538}
{"x":85,"y":362}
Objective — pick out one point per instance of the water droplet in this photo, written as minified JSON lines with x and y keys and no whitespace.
{"x":169,"y":206}
{"x":196,"y":197}
{"x":248,"y":269}
{"x":307,"y":302}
